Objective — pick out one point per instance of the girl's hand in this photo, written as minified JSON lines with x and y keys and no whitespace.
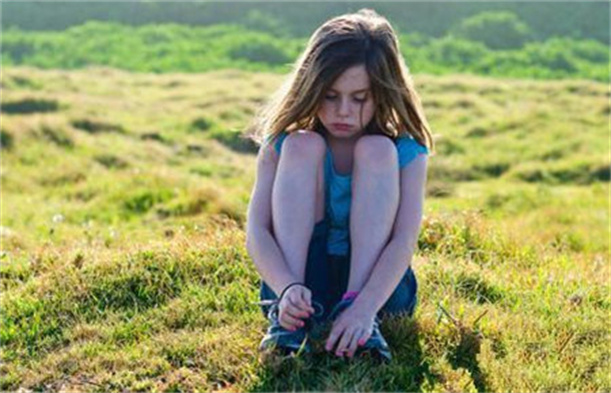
{"x":295,"y":305}
{"x":350,"y":330}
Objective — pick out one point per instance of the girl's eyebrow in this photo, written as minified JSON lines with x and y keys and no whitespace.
{"x":354,"y":92}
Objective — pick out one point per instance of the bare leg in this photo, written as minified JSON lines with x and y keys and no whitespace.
{"x":375,"y":201}
{"x":298,"y":197}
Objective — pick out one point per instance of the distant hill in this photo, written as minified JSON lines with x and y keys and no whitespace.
{"x":545,"y":19}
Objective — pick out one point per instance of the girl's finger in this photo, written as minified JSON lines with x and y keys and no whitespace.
{"x":363,"y":339}
{"x":296,"y":312}
{"x":342,"y":347}
{"x":289,"y":322}
{"x":288,"y":302}
{"x":352,"y":346}
{"x":306,"y":296}
{"x":298,"y":309}
{"x":336,"y":332}
{"x":305,"y":307}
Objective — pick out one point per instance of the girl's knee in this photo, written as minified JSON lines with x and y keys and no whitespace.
{"x":376,"y":150}
{"x":304,"y":145}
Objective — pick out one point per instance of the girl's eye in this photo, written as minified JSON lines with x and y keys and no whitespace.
{"x":359,"y":100}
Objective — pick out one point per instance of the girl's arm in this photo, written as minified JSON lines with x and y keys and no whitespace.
{"x":396,"y":257}
{"x":260,"y":243}
{"x":390,"y":266}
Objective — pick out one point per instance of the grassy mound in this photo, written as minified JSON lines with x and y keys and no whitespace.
{"x":123,"y":260}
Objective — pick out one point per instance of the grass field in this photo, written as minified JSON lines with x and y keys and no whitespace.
{"x":123,"y":261}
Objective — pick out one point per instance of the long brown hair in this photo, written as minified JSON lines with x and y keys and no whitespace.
{"x":362,"y":38}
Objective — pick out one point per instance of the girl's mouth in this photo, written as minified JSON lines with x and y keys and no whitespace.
{"x":342,"y":126}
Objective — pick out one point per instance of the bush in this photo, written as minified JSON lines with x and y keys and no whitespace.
{"x":259,"y":50}
{"x":496,"y":30}
{"x":455,"y":53}
{"x":588,"y":50}
{"x":416,"y":40}
{"x":18,"y":45}
{"x":553,"y":54}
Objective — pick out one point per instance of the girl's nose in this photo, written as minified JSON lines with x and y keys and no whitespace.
{"x":344,"y":108}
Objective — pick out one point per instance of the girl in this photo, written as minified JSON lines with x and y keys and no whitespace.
{"x":337,"y":204}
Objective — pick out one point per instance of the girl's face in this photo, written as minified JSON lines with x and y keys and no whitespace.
{"x":347,"y":103}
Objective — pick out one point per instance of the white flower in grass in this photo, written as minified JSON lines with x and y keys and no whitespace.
{"x":6,"y":232}
{"x":58,"y":218}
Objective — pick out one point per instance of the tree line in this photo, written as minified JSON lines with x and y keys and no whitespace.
{"x":471,"y":47}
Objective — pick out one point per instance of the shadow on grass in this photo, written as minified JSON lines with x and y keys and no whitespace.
{"x":322,"y":371}
{"x":464,"y":354}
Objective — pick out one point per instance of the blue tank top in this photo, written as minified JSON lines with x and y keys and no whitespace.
{"x":338,"y":191}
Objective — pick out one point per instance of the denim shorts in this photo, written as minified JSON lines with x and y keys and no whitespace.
{"x":327,"y":277}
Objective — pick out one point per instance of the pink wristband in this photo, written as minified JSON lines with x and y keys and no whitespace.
{"x":350,"y":295}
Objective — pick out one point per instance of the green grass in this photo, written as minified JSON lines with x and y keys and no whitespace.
{"x":123,"y":261}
